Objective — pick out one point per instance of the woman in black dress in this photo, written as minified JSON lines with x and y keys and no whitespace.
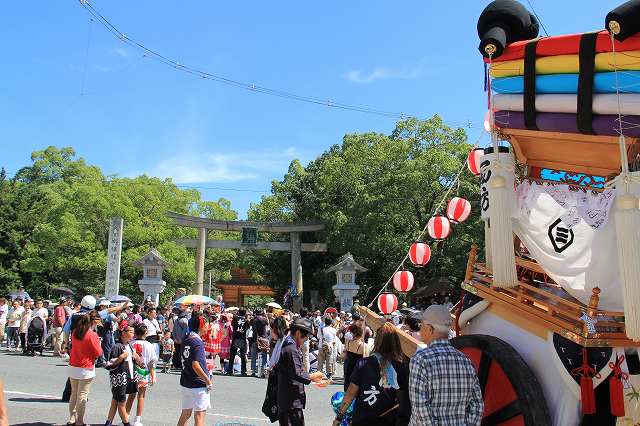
{"x":354,"y":350}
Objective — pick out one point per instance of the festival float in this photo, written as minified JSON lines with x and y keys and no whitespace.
{"x":550,"y":311}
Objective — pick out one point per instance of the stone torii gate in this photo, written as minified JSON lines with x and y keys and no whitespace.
{"x":250,"y":241}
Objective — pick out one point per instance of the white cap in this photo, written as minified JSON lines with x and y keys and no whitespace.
{"x":437,"y":316}
{"x":104,"y":302}
{"x":88,"y":302}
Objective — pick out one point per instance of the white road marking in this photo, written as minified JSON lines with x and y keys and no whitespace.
{"x":32,"y":394}
{"x":227,"y":416}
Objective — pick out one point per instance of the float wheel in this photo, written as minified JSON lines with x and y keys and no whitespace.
{"x":512,"y":395}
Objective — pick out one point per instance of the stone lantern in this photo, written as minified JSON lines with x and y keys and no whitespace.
{"x":346,"y":288}
{"x":151,"y":284}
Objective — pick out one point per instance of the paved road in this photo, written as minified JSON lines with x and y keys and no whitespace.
{"x":33,"y":387}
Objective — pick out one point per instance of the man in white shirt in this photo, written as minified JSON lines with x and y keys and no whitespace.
{"x":40,"y":310}
{"x":4,"y":310}
{"x":327,"y":342}
{"x":13,"y":325}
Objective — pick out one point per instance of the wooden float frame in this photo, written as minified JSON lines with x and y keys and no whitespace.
{"x":539,"y":311}
{"x":409,"y":344}
{"x":590,"y":154}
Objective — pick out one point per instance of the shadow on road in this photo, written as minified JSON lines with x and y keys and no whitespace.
{"x":34,"y":400}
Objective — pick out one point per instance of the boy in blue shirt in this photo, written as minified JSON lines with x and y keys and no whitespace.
{"x":195,"y":381}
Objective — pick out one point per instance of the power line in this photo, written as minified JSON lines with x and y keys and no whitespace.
{"x":538,"y":18}
{"x":236,"y":83}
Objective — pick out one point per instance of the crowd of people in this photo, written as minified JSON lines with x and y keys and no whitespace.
{"x":437,"y":386}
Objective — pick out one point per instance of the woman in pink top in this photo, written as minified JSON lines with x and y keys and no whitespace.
{"x":134,"y":317}
{"x":85,"y":349}
{"x":226,"y":334}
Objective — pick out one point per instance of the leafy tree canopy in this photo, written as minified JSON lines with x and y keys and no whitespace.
{"x":375,"y":192}
{"x":54,"y":223}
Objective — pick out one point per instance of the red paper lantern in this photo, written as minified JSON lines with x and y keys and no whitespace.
{"x":439,"y":227}
{"x":387,"y":303}
{"x":419,"y":253}
{"x":403,"y":281}
{"x":458,"y":209}
{"x":473,"y":160}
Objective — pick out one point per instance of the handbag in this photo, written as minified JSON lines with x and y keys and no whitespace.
{"x":153,"y":338}
{"x":263,"y":344}
{"x":270,"y":404}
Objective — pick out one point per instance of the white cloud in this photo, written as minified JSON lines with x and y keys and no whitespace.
{"x":120,"y":51}
{"x":224,"y":167}
{"x":382,"y":73}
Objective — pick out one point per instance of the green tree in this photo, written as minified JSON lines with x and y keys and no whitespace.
{"x":54,"y":225}
{"x":375,"y":192}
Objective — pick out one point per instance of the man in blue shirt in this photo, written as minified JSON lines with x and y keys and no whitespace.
{"x":195,"y":381}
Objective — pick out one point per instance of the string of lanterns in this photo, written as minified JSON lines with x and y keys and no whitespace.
{"x":438,"y":227}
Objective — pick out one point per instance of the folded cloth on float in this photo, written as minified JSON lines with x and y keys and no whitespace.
{"x":568,"y":44}
{"x":603,"y":82}
{"x":602,"y":103}
{"x":603,"y":125}
{"x":568,"y":64}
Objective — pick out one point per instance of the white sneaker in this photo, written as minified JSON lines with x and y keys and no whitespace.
{"x":137,"y":424}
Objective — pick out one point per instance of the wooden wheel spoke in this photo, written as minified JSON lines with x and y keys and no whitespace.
{"x":483,"y":370}
{"x":507,"y":412}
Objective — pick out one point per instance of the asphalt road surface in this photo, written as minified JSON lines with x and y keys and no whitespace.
{"x":33,"y":386}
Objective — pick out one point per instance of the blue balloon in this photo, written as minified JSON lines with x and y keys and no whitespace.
{"x":336,"y":403}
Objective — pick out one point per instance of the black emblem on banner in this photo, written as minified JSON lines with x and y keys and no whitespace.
{"x":484,"y":179}
{"x":561,"y":237}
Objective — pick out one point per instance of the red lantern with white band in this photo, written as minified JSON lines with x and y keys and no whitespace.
{"x":473,"y":160}
{"x":387,"y":303}
{"x":458,"y":209}
{"x":420,"y":254}
{"x":439,"y":227}
{"x":403,"y":281}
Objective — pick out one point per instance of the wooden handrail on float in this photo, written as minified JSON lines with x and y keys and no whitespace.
{"x":409,"y":344}
{"x":540,"y":311}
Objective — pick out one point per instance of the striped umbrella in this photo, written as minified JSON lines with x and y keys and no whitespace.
{"x":194,"y":299}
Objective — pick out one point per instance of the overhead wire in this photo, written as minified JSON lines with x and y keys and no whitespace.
{"x":538,"y":18}
{"x":240,"y":84}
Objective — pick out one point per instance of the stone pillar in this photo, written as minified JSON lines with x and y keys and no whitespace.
{"x":345,"y":293}
{"x":114,"y":252}
{"x":200,"y":251}
{"x":296,"y":270}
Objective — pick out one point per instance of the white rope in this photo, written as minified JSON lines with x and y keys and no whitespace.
{"x":424,"y":230}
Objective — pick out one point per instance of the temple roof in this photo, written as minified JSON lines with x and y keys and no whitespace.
{"x":346,"y":262}
{"x":151,"y":258}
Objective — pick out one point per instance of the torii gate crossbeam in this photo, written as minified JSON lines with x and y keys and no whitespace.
{"x":294,"y":245}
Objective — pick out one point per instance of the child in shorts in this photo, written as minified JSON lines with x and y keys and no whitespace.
{"x":145,"y":369}
{"x":166,"y":351}
{"x":122,"y":375}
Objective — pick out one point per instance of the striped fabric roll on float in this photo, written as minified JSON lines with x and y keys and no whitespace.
{"x":562,"y":82}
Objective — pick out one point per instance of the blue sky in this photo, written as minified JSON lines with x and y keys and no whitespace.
{"x":68,"y":82}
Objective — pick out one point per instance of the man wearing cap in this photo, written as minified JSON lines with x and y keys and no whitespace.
{"x":443,"y":386}
{"x":292,"y":376}
{"x":105,"y":330}
{"x":21,"y":294}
